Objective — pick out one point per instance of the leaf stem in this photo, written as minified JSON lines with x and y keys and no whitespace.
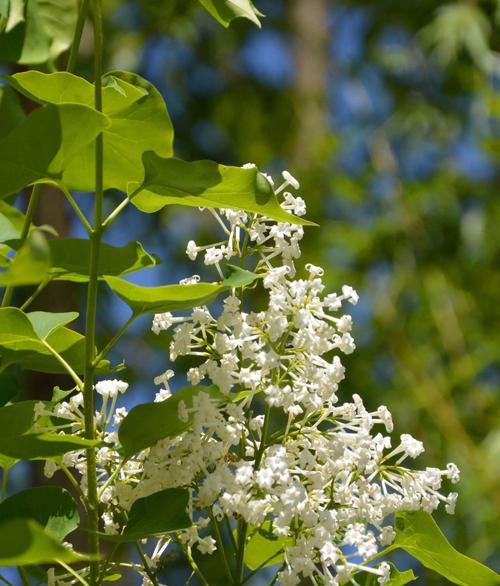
{"x":78,"y":381}
{"x":35,"y":294}
{"x":102,"y":354}
{"x":77,"y":209}
{"x":77,"y":37}
{"x":220,"y":546}
{"x":5,"y":476}
{"x":114,"y":214}
{"x":73,"y":573}
{"x":23,"y":576}
{"x":5,"y":581}
{"x":91,"y":313}
{"x":33,"y":202}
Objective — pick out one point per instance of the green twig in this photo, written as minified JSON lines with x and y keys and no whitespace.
{"x":145,"y":564}
{"x":91,"y":313}
{"x":115,"y":213}
{"x":77,"y":37}
{"x":73,"y":573}
{"x":77,"y":209}
{"x":220,"y":546}
{"x":78,"y":381}
{"x":35,"y":294}
{"x":102,"y":354}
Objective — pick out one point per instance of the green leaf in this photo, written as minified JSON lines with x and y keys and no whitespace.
{"x":149,"y":422}
{"x":38,"y":31}
{"x":71,"y":259}
{"x":42,"y":446}
{"x":9,"y":388}
{"x":418,"y":534}
{"x":139,"y":121}
{"x":31,"y":263}
{"x":397,"y":578}
{"x":264,"y":548}
{"x":11,"y":111}
{"x":11,"y":223}
{"x":156,"y":514}
{"x":23,"y":542}
{"x":20,"y":343}
{"x":51,"y":506}
{"x":207,"y":184}
{"x":225,"y":11}
{"x":39,"y":148}
{"x":68,"y":259}
{"x":175,"y":297}
{"x":17,"y":418}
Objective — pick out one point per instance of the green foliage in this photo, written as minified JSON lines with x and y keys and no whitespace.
{"x":31,"y":263}
{"x":207,"y":184}
{"x":138,"y":122}
{"x":264,"y":548}
{"x":67,"y":259}
{"x":40,"y":147}
{"x":150,"y":422}
{"x":157,"y":514}
{"x":9,"y":387}
{"x":37,"y":31}
{"x":225,"y":11}
{"x":23,"y":542}
{"x":42,"y":446}
{"x":11,"y":111}
{"x":17,"y":418}
{"x":397,"y":578}
{"x":51,"y":506}
{"x":176,"y":297}
{"x":32,"y":339}
{"x":418,"y":534}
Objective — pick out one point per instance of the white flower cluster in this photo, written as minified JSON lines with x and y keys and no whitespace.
{"x":281,"y":452}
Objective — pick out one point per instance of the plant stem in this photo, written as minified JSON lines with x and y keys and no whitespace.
{"x":33,"y":202}
{"x":102,"y":354}
{"x":35,"y":294}
{"x":77,"y":209}
{"x":78,"y":381}
{"x":145,"y":564}
{"x":77,"y":37}
{"x":91,"y":314}
{"x":194,"y":565}
{"x":5,"y":475}
{"x":220,"y":546}
{"x":5,"y":581}
{"x":23,"y":576}
{"x":114,"y":214}
{"x":73,"y":573}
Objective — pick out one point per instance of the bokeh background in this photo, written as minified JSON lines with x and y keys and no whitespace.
{"x":388,"y":113}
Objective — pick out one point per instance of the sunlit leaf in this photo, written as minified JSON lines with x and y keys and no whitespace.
{"x":51,"y":506}
{"x":225,"y":11}
{"x":175,"y":297}
{"x":207,"y":184}
{"x":30,"y":264}
{"x":139,"y":121}
{"x":42,"y":446}
{"x":38,"y":31}
{"x":418,"y":534}
{"x":264,"y":548}
{"x":23,"y":542}
{"x":21,"y":344}
{"x":39,"y":147}
{"x":11,"y":111}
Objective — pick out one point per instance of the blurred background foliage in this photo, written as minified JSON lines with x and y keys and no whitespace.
{"x":389,"y":114}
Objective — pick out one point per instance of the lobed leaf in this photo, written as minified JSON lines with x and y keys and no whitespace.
{"x":206,"y":184}
{"x":176,"y":297}
{"x":418,"y":534}
{"x":22,"y":337}
{"x":38,"y":31}
{"x":150,"y":422}
{"x":138,"y":117}
{"x":41,"y":145}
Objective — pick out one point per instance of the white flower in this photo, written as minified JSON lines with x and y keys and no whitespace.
{"x":111,"y":388}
